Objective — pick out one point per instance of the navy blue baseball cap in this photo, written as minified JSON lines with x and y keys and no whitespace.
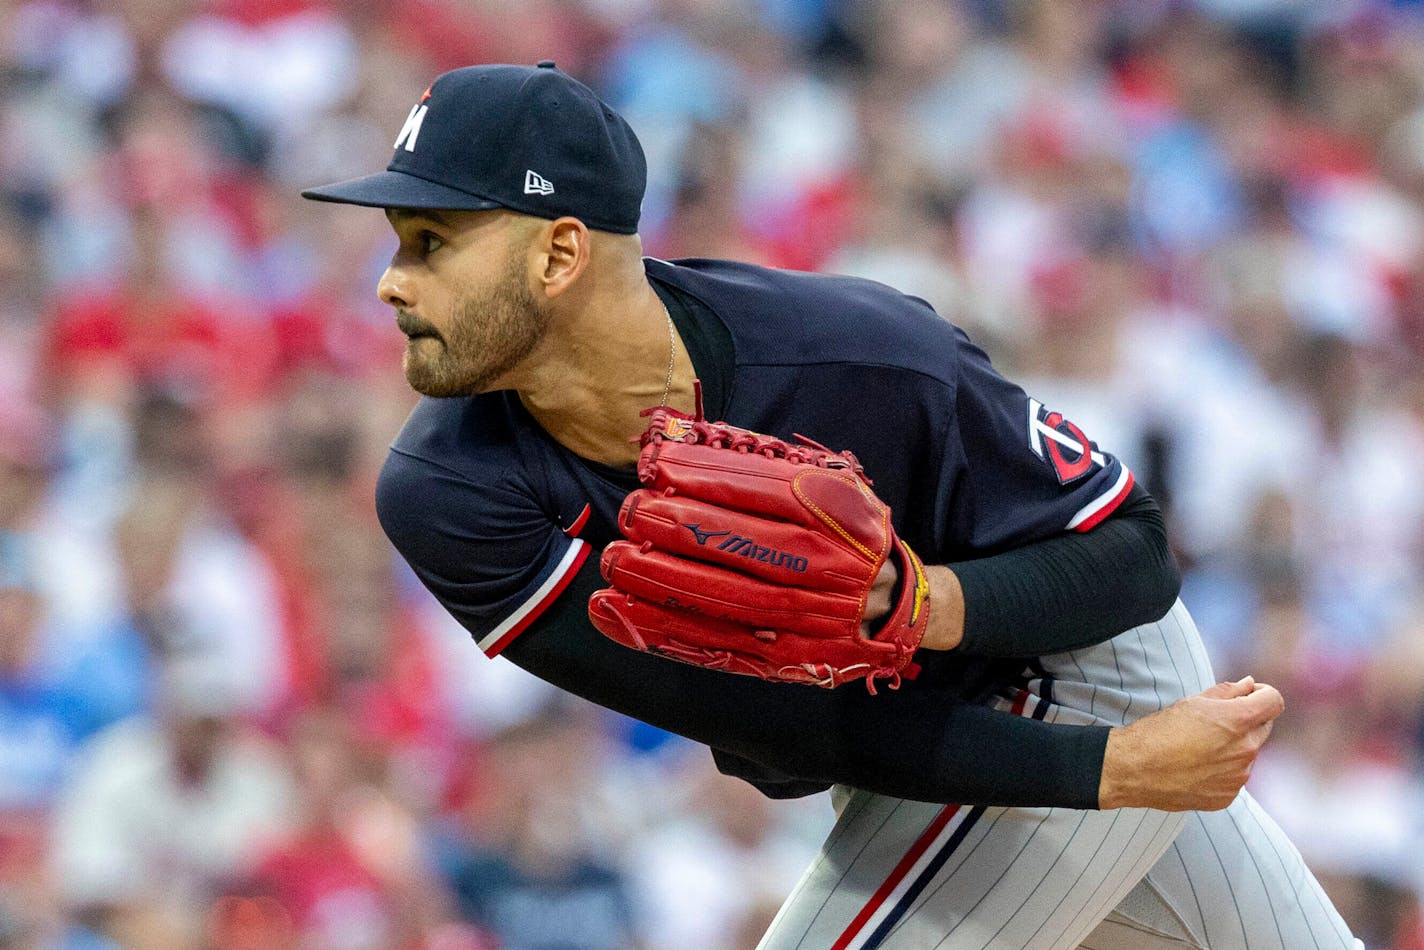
{"x":528,"y":138}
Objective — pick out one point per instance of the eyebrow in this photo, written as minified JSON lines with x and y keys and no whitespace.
{"x":408,"y":214}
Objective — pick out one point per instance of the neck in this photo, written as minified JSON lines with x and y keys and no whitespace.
{"x":604,"y":362}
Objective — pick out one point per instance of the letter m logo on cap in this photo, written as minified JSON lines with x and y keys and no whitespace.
{"x":411,"y":130}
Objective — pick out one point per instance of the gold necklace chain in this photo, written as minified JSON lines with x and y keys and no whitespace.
{"x":672,"y":356}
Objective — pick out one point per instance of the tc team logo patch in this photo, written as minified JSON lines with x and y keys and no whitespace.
{"x":1060,"y":443}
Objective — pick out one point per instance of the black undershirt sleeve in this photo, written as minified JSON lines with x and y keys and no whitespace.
{"x":1071,"y":590}
{"x":918,"y":742}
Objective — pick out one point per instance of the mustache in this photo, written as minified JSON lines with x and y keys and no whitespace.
{"x":412,"y":326}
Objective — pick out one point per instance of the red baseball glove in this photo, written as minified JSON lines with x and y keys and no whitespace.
{"x":754,"y":556}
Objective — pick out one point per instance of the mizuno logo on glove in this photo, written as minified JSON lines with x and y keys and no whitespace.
{"x":706,"y":574}
{"x":703,"y":536}
{"x":746,"y":547}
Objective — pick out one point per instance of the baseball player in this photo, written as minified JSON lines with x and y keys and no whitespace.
{"x":1027,"y":777}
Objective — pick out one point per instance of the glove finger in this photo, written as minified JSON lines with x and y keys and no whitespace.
{"x":726,"y":646}
{"x":774,"y":551}
{"x":650,"y":628}
{"x":722,"y":594}
{"x":744,"y":481}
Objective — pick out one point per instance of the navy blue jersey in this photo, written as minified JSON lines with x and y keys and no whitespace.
{"x":968,"y":463}
{"x":498,"y":520}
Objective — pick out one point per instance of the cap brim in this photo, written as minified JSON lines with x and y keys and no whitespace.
{"x":390,"y":189}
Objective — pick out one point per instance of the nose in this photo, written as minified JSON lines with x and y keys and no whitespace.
{"x":394,"y":288}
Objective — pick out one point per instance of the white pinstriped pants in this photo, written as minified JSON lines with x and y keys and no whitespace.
{"x":904,"y":875}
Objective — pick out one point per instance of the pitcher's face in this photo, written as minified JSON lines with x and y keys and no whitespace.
{"x":458,"y":283}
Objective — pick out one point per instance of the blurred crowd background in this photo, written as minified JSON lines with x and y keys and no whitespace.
{"x":229,"y":717}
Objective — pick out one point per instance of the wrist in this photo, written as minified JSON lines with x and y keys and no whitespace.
{"x":946,"y":620}
{"x":1114,"y":787}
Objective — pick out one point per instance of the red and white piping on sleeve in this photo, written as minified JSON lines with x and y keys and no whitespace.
{"x":516,"y":623}
{"x":1091,"y":514}
{"x":582,"y":519}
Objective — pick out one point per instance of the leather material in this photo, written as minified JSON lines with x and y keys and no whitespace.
{"x":756,"y":556}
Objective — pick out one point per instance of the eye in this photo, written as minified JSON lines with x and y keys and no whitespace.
{"x":429,"y":242}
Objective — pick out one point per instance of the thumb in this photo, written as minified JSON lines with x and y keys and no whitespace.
{"x":1241,"y":687}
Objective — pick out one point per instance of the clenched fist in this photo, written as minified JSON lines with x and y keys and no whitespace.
{"x":1195,"y":755}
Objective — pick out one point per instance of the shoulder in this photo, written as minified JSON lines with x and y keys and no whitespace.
{"x":455,"y":462}
{"x":450,"y":440}
{"x":796,"y":317}
{"x":468,"y":435}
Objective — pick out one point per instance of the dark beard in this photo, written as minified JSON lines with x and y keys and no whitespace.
{"x":489,"y":335}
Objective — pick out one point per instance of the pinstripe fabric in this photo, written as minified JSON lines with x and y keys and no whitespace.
{"x":906,"y":875}
{"x":1237,"y":859}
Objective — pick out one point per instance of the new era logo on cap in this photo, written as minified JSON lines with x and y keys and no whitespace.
{"x":537,"y":184}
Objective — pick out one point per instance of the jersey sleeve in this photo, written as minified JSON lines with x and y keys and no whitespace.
{"x":487,"y":552}
{"x":1018,"y":470}
{"x":922,"y":741}
{"x":501,"y":565}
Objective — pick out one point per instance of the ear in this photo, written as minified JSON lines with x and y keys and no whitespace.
{"x":562,"y":255}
